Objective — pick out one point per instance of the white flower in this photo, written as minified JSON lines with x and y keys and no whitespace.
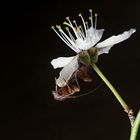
{"x":80,"y":38}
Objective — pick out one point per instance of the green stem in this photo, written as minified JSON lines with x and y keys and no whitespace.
{"x":128,"y":110}
{"x":134,"y":129}
{"x":116,"y":94}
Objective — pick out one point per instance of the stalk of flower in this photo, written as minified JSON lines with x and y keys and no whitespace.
{"x":84,"y":41}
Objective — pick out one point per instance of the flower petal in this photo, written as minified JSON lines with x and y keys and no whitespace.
{"x":92,"y":37}
{"x":66,"y":73}
{"x":104,"y":50}
{"x":105,"y":45}
{"x":61,"y":62}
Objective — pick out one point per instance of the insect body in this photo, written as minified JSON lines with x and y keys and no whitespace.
{"x":62,"y":93}
{"x":72,"y":86}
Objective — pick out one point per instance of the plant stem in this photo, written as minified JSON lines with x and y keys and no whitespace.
{"x":134,"y":129}
{"x":116,"y":94}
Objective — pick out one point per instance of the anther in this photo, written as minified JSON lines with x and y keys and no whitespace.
{"x":96,"y":14}
{"x":67,"y":18}
{"x":58,"y":26}
{"x":90,"y":10}
{"x":95,"y":20}
{"x":52,"y":27}
{"x":80,"y":14}
{"x":74,"y":21}
{"x":67,"y":28}
{"x":64,"y":22}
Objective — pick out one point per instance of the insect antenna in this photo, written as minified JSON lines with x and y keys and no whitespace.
{"x":84,"y":94}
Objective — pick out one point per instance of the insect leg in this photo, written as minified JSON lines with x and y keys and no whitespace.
{"x":76,"y":80}
{"x":55,"y":85}
{"x":69,"y":89}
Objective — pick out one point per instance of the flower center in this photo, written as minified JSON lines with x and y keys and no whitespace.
{"x":79,"y":33}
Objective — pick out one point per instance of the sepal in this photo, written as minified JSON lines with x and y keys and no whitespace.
{"x":84,"y":57}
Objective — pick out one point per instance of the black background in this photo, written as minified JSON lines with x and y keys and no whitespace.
{"x":28,"y":44}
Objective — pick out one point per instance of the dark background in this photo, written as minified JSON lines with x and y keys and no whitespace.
{"x":27,"y":45}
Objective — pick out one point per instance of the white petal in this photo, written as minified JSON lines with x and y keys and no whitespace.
{"x":92,"y":37}
{"x":106,"y":45}
{"x":66,"y":73}
{"x":61,"y":62}
{"x":104,"y":50}
{"x":116,"y":39}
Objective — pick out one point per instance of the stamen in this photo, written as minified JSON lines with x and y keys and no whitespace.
{"x":66,"y":23}
{"x":52,"y":27}
{"x":70,"y":44}
{"x":87,"y":25}
{"x":73,"y":28}
{"x":67,"y":18}
{"x":71,"y":36}
{"x":58,"y":26}
{"x":71,"y":25}
{"x":95,"y":20}
{"x":67,"y":28}
{"x":64,"y":37}
{"x":57,"y":33}
{"x":74,"y":21}
{"x":80,"y":15}
{"x":73,"y":32}
{"x":82,"y":32}
{"x":91,"y":18}
{"x":77,"y":28}
{"x":69,"y":22}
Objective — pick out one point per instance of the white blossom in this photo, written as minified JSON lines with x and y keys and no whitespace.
{"x":80,"y":38}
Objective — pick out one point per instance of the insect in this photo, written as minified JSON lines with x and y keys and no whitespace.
{"x":72,"y":86}
{"x":62,"y":93}
{"x":86,"y":57}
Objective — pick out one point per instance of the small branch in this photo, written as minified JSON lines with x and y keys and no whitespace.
{"x":131,"y":116}
{"x":134,"y":129}
{"x":116,"y":94}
